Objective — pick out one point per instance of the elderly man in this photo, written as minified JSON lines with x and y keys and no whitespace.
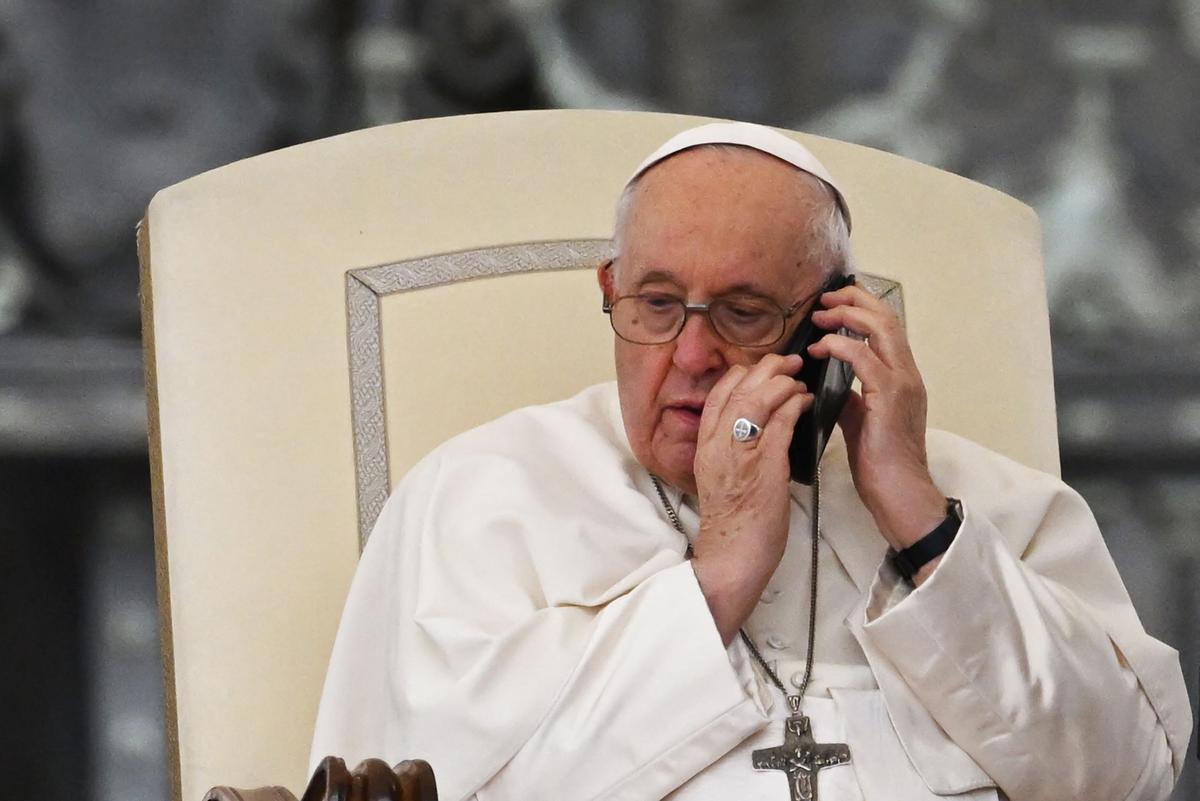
{"x":623,"y":595}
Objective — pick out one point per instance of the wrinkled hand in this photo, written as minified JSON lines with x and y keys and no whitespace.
{"x":885,"y":425}
{"x":743,"y":486}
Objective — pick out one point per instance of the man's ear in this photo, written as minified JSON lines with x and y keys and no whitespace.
{"x":604,"y":277}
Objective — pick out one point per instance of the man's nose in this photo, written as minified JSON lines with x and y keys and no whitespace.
{"x":698,"y":349}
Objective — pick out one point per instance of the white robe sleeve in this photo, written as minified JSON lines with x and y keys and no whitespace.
{"x":1025,"y":649}
{"x":653,"y":701}
{"x":527,"y":624}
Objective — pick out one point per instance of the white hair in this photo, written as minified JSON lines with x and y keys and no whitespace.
{"x":827,"y":234}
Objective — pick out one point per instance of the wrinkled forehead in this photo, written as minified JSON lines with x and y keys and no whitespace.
{"x":745,"y":135}
{"x":719,"y":224}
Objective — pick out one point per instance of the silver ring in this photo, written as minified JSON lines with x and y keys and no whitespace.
{"x":744,"y":430}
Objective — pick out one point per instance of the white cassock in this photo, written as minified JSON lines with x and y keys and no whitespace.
{"x":524,"y":619}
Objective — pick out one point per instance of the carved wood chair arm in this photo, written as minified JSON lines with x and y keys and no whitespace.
{"x":371,"y":780}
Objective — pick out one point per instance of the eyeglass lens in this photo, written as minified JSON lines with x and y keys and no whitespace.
{"x":652,"y":319}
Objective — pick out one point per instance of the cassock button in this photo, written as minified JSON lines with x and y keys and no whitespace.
{"x":798,"y":679}
{"x":776,"y":642}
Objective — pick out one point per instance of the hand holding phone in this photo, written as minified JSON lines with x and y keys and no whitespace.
{"x":828,"y":380}
{"x":885,"y":425}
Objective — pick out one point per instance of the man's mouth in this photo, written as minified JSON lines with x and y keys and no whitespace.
{"x":687,"y":412}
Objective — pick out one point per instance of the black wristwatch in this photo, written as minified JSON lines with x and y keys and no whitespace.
{"x":908,"y":561}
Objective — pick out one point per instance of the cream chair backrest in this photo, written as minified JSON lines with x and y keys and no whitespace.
{"x":310,"y":334}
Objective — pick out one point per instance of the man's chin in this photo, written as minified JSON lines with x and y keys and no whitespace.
{"x":677,"y":464}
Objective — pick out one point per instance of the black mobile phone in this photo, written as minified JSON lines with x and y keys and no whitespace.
{"x":829,"y":381}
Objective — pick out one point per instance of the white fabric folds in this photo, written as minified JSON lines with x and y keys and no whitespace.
{"x":523,"y":618}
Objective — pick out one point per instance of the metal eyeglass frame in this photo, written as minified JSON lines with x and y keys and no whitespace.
{"x":689,"y":308}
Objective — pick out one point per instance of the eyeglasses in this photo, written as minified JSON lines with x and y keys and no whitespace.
{"x":655,"y":318}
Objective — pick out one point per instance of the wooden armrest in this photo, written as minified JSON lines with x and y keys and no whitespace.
{"x":371,"y":780}
{"x":257,"y":794}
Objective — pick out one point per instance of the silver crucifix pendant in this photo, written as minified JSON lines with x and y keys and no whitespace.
{"x":800,"y":756}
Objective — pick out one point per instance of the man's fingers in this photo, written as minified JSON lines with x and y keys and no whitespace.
{"x":857,"y":309}
{"x":883,"y":330}
{"x":783,"y":423}
{"x":740,"y":386}
{"x":725,"y":384}
{"x":769,"y":367}
{"x":761,"y":404}
{"x":856,"y":296}
{"x":851,"y":419}
{"x":718,"y":396}
{"x":867,"y":365}
{"x":765,"y":385}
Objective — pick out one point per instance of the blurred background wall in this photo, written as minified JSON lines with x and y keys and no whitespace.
{"x":1087,"y":110}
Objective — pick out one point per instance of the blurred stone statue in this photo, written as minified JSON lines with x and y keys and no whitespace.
{"x":112,"y":102}
{"x":14,"y":267}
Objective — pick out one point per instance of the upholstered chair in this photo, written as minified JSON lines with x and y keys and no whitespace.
{"x":318,"y":318}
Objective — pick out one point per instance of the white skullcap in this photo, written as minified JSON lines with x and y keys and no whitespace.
{"x":760,"y":137}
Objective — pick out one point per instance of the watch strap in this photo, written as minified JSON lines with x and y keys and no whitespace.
{"x":911,"y":559}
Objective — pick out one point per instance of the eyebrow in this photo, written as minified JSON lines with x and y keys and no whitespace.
{"x":658,"y":276}
{"x":742,"y":288}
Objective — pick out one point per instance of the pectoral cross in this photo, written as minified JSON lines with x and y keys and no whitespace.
{"x":800,"y":756}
